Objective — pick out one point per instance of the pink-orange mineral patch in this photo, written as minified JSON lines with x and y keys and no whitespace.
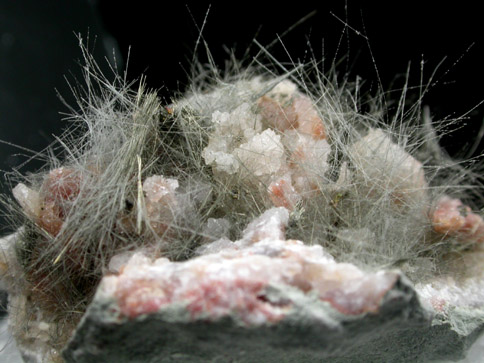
{"x":234,"y":282}
{"x":451,"y":217}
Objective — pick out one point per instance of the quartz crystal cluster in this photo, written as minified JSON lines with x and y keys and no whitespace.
{"x":264,"y":207}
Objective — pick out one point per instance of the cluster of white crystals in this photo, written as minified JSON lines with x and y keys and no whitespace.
{"x":278,"y":142}
{"x":234,"y":278}
{"x":447,"y":292}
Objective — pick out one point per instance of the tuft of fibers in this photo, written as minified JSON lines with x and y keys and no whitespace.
{"x":373,"y":188}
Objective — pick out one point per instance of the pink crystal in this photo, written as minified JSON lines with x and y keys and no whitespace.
{"x":307,"y":118}
{"x":60,"y":188}
{"x":300,"y":115}
{"x":276,"y":114}
{"x":283,"y":194}
{"x":451,"y":217}
{"x":61,"y":184}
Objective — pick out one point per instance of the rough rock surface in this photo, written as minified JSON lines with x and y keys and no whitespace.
{"x":401,"y":331}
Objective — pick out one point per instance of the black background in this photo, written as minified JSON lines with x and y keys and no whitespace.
{"x":38,"y":48}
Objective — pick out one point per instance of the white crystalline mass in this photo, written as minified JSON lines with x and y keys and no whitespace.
{"x":119,"y":260}
{"x":275,"y":146}
{"x":224,"y":98}
{"x":237,"y":145}
{"x":444,"y":293}
{"x":386,"y":167}
{"x":231,"y":277}
{"x":262,"y":155}
{"x":224,"y":161}
{"x":270,"y":225}
{"x":29,"y":199}
{"x":240,"y":123}
{"x":309,"y":158}
{"x":230,"y":130}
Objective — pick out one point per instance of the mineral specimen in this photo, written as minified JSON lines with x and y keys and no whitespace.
{"x":250,"y":220}
{"x":264,"y":298}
